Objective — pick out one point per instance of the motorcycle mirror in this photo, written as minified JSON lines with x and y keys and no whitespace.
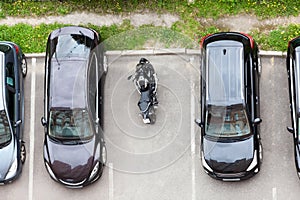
{"x":129,"y":77}
{"x":290,"y":129}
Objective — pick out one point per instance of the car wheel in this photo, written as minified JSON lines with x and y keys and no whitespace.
{"x":23,"y":153}
{"x":104,"y":155}
{"x":24,"y":65}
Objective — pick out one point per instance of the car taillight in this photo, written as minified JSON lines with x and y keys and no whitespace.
{"x":202,"y":40}
{"x":289,"y":43}
{"x":17,"y":48}
{"x":250,"y":38}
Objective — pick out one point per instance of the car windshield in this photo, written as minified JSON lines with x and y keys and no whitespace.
{"x":227,"y":121}
{"x":70,"y":124}
{"x":5,"y":134}
{"x":73,"y":45}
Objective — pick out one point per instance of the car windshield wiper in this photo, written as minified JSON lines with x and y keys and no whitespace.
{"x":4,"y":144}
{"x":56,"y":58}
{"x":57,"y":140}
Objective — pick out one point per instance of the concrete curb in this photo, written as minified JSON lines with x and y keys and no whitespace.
{"x":35,"y":55}
{"x":273,"y":53}
{"x":162,"y":52}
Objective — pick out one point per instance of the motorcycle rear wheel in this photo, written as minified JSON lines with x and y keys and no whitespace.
{"x":152,"y":115}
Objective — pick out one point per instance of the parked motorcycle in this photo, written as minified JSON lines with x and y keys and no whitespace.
{"x":145,"y":81}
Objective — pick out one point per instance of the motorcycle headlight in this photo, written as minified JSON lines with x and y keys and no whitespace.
{"x":95,"y":170}
{"x":253,"y":163}
{"x":204,"y":163}
{"x":12,"y":170}
{"x":50,"y":171}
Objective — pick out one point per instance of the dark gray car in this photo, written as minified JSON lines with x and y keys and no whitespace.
{"x":74,"y":147}
{"x":13,"y":68}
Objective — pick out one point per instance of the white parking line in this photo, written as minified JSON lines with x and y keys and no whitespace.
{"x":193,"y":147}
{"x":111,"y":181}
{"x":193,"y":144}
{"x":274,"y":193}
{"x":32,"y":122}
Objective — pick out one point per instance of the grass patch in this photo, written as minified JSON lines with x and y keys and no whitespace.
{"x":32,"y":39}
{"x":149,"y":37}
{"x":277,"y":39}
{"x":125,"y":36}
{"x":200,"y":8}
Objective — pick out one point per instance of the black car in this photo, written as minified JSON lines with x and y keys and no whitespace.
{"x":74,"y":147}
{"x":13,"y":68}
{"x":293,"y":71}
{"x":230,"y":143}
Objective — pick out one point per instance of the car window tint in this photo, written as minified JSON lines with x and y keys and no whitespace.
{"x":5,"y":134}
{"x":92,"y":83}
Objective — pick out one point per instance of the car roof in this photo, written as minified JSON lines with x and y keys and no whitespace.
{"x":68,"y":84}
{"x":225,"y":72}
{"x":2,"y":80}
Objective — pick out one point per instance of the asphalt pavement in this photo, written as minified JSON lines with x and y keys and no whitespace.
{"x":161,"y":161}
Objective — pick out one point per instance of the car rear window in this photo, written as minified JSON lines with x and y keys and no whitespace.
{"x":68,"y":46}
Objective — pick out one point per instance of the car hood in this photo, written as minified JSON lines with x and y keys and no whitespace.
{"x":229,"y":157}
{"x":71,"y":163}
{"x":7,"y":154}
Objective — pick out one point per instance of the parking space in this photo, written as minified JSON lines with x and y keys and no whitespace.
{"x":149,"y":160}
{"x":161,"y":161}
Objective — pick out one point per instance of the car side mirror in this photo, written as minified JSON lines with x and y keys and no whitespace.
{"x":43,"y":121}
{"x":199,"y":123}
{"x":290,"y":129}
{"x":257,"y":121}
{"x":17,"y":123}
